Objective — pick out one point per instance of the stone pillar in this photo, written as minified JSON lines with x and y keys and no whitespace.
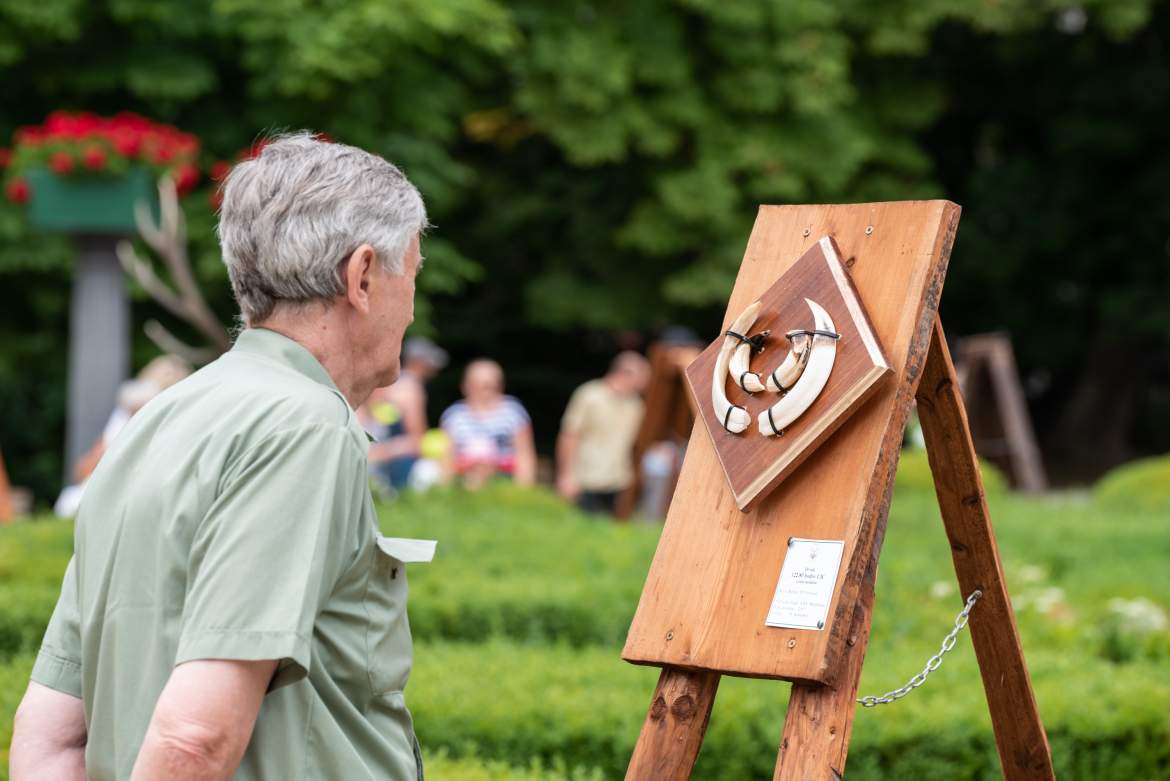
{"x":99,"y":343}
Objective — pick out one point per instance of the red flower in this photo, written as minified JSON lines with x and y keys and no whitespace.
{"x":61,"y":162}
{"x":125,"y":140}
{"x":17,"y":191}
{"x":219,"y":170}
{"x":186,"y":177}
{"x":94,"y":158}
{"x":29,"y":136}
{"x":160,"y":153}
{"x":5,"y":157}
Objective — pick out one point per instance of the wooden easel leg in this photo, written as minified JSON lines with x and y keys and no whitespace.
{"x":815,"y":741}
{"x":673,"y":731}
{"x":1019,"y":734}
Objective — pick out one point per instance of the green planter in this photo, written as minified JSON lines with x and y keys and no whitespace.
{"x":89,"y":203}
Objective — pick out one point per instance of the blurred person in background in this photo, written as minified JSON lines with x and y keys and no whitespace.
{"x":396,"y":416}
{"x":231,"y":609}
{"x":595,"y":447}
{"x":158,"y":375}
{"x":491,"y":433}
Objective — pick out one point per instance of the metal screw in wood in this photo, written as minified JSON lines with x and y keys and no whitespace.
{"x":870,"y":701}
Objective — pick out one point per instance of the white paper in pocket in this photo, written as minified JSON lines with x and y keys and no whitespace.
{"x":408,"y":551}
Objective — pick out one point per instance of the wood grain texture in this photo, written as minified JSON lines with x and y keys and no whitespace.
{"x":708,"y":590}
{"x":815,"y":741}
{"x":672,"y":734}
{"x":755,"y":464}
{"x":1019,"y":733}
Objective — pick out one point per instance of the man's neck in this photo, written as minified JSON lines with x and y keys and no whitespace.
{"x":325,"y":337}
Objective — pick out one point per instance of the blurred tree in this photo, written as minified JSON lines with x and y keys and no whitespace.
{"x":595,"y":166}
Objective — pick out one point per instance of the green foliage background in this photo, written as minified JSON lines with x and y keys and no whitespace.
{"x":535,"y":599}
{"x":594,"y":167}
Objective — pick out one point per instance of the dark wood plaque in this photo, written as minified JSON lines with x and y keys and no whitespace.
{"x":753,"y":463}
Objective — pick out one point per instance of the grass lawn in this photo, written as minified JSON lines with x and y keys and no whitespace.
{"x":519,"y":622}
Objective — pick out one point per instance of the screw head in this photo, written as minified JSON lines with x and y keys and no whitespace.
{"x":820,"y":625}
{"x":792,"y":642}
{"x":807,"y":231}
{"x":670,"y":635}
{"x":868,"y":229}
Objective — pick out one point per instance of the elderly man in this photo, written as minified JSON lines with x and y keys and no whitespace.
{"x":231,"y":610}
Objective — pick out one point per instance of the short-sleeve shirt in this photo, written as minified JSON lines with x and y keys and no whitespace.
{"x":232,"y":519}
{"x":606,"y":424}
{"x":485,"y":435}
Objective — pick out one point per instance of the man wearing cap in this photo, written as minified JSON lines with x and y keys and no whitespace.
{"x":231,"y":610}
{"x":397,"y":416}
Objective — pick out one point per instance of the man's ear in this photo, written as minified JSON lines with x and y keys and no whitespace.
{"x":357,"y":271}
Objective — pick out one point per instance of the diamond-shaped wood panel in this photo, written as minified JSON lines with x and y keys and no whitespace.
{"x":753,"y":463}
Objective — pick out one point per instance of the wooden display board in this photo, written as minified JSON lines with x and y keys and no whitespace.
{"x":702,"y":611}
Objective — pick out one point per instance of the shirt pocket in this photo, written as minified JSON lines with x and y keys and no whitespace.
{"x":388,"y":635}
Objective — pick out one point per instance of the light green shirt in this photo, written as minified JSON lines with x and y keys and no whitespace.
{"x":232,"y":519}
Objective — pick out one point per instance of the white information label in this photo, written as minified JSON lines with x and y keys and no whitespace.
{"x":806,"y":584}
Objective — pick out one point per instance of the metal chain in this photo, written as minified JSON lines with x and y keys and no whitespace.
{"x":870,"y":701}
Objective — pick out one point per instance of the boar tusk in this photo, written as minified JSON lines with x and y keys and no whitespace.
{"x":817,"y":358}
{"x":732,"y":417}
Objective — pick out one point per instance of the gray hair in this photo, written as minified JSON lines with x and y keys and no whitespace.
{"x":291,"y":215}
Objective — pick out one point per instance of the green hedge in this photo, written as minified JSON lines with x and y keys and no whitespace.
{"x":580,"y":710}
{"x":520,"y":565}
{"x":519,"y":623}
{"x":511,"y":563}
{"x":1142,"y":486}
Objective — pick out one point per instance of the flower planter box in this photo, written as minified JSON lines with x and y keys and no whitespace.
{"x":89,"y":204}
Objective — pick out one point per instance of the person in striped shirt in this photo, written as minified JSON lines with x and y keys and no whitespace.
{"x":491,"y":433}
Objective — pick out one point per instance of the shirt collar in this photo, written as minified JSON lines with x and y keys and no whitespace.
{"x":278,"y":347}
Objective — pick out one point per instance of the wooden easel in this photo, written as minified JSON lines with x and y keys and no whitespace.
{"x":702,"y":610}
{"x":1000,"y":425}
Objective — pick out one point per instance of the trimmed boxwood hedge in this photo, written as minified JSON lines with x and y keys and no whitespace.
{"x":581,"y":709}
{"x":1142,"y":486}
{"x":520,"y":618}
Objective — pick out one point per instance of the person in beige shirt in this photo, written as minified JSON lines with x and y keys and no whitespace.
{"x":596,"y":443}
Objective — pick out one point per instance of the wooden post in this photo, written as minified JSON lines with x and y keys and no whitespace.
{"x":99,"y":344}
{"x":987,"y":359}
{"x":6,"y":510}
{"x":675,"y":724}
{"x":1019,"y":733}
{"x":815,"y":742}
{"x":669,"y":414}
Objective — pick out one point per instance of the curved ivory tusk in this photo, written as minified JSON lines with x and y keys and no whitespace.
{"x":784,"y":376}
{"x":820,"y":355}
{"x":733,"y":418}
{"x":741,"y":375}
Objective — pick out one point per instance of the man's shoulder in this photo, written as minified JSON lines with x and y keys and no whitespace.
{"x":252,"y":398}
{"x":593,"y":389}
